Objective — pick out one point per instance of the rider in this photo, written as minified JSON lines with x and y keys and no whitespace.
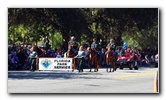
{"x":73,"y":42}
{"x":112,"y":44}
{"x":94,"y":45}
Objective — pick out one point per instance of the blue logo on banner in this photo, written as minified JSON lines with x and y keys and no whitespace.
{"x":46,"y":63}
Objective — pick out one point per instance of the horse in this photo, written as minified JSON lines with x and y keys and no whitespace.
{"x":71,"y":54}
{"x":94,"y":60}
{"x":111,"y":58}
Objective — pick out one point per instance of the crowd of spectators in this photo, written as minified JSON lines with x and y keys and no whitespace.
{"x":19,"y":56}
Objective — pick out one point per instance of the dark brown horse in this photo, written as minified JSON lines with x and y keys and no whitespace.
{"x":95,"y":60}
{"x":111,"y":58}
{"x":71,"y":54}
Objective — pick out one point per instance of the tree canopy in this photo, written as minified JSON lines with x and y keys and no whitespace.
{"x":137,"y":26}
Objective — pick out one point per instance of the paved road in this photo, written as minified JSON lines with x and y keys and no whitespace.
{"x":121,"y":81}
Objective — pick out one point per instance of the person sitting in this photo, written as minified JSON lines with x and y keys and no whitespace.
{"x":94,"y":45}
{"x":73,"y":43}
{"x":80,"y":58}
{"x":121,"y":52}
{"x":112,"y":45}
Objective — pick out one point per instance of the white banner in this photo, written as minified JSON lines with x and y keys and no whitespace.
{"x":55,"y":63}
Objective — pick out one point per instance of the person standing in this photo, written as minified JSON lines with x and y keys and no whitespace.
{"x":43,"y":43}
{"x":64,"y":46}
{"x":80,"y":58}
{"x":100,"y":44}
{"x":47,"y":42}
{"x":33,"y":57}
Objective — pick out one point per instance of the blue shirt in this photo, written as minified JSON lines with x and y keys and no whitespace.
{"x":81,"y":54}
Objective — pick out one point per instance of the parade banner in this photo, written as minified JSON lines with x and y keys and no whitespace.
{"x":55,"y":63}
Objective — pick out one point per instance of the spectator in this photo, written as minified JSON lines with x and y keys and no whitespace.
{"x":103,"y":50}
{"x":33,"y":57}
{"x":13,"y":63}
{"x":59,"y":55}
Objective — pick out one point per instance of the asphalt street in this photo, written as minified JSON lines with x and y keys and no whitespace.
{"x":121,"y":81}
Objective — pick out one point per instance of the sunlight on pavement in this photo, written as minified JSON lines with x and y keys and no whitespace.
{"x":133,"y":75}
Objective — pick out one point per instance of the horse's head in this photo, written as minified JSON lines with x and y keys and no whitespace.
{"x":70,"y":46}
{"x":37,"y":49}
{"x":109,"y":48}
{"x":88,"y":49}
{"x":70,"y":52}
{"x":92,"y":54}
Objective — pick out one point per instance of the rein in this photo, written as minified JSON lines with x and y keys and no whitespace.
{"x":93,"y":56}
{"x":70,"y":55}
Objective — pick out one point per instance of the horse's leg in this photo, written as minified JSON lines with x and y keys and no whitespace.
{"x":111,"y":65}
{"x":106,"y":62}
{"x":96,"y":66}
{"x":107,"y":66}
{"x":73,"y":65}
{"x":91,"y":64}
{"x":115,"y":66}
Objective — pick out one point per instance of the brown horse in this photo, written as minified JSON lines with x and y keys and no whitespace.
{"x":94,"y":60}
{"x":71,"y":54}
{"x":111,"y":58}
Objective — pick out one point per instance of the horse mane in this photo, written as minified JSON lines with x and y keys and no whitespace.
{"x":110,"y":52}
{"x":39,"y":51}
{"x":109,"y":48}
{"x":70,"y":51}
{"x":69,"y":45}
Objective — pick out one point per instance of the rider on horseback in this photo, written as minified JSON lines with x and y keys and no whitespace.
{"x":112,"y":44}
{"x":73,"y":43}
{"x":94,"y":45}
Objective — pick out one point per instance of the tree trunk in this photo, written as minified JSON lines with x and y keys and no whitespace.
{"x":13,"y":40}
{"x":118,"y":40}
{"x":24,"y":40}
{"x":52,"y":39}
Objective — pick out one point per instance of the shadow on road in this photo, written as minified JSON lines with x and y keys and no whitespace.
{"x":51,"y":75}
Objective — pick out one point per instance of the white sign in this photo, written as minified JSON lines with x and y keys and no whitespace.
{"x":55,"y":63}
